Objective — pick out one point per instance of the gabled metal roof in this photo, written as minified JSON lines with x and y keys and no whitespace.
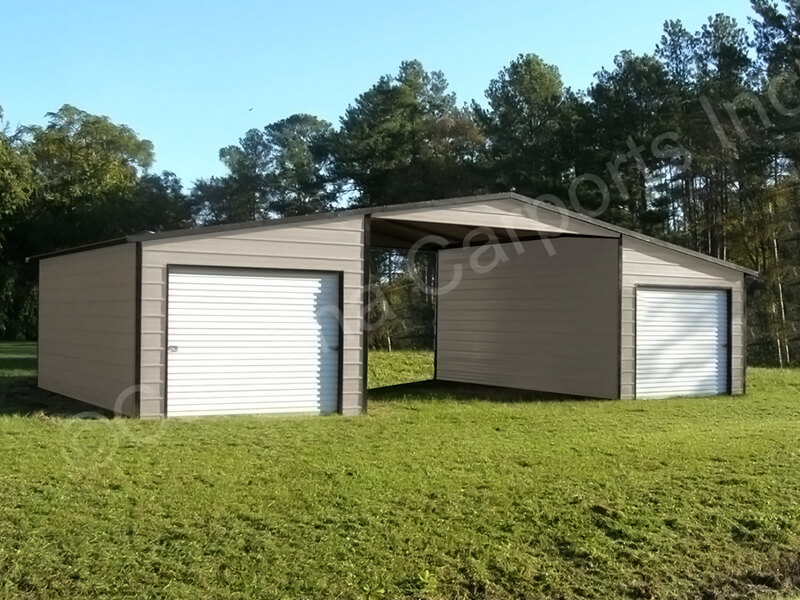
{"x":387,"y":210}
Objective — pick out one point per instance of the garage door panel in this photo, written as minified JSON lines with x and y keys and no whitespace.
{"x":255,"y":405}
{"x":278,"y":388}
{"x":251,"y":369}
{"x":235,"y":335}
{"x":699,"y":311}
{"x":684,"y":350}
{"x":245,"y":339}
{"x":264,"y":355}
{"x":682,"y":338}
{"x":264,"y":311}
{"x":247,"y":410}
{"x":287,"y":362}
{"x":700,"y":385}
{"x":250,"y":295}
{"x":669,"y":379}
{"x":209,"y":372}
{"x":241,"y":326}
{"x":264,"y":377}
{"x":288,"y":285}
{"x":252,"y":342}
{"x":654,"y":369}
{"x":276,"y":392}
{"x":225,"y":282}
{"x":234,"y":343}
{"x":254,"y":304}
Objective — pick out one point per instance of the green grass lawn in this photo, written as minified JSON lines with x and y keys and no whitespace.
{"x":398,"y":367}
{"x":439,"y":492}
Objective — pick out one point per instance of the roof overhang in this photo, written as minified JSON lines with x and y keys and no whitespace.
{"x":401,"y":225}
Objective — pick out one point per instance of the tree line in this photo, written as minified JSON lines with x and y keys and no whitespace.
{"x":696,"y":143}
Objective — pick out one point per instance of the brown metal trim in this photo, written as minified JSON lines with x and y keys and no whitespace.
{"x":619,"y":316}
{"x":365,"y":299}
{"x":83,"y":248}
{"x":436,"y":318}
{"x":38,"y":322}
{"x":340,"y":378}
{"x":689,"y":288}
{"x":226,"y":268}
{"x":165,"y":349}
{"x":137,"y":374}
{"x":635,"y":338}
{"x":730,"y":341}
{"x":745,"y":335}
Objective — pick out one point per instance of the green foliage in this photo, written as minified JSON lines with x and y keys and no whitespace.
{"x":79,"y":179}
{"x":16,"y":174}
{"x":524,"y":128}
{"x":629,"y":101}
{"x":156,"y":204}
{"x":401,"y":315}
{"x":278,"y":172}
{"x":402,"y":302}
{"x":299,"y":180}
{"x":439,"y":492}
{"x":405,"y":139}
{"x":18,"y":298}
{"x":92,"y":184}
{"x":83,"y":159}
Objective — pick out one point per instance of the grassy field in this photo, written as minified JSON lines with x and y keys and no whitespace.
{"x":404,"y":366}
{"x":440,"y":492}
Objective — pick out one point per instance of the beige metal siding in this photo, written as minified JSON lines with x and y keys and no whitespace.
{"x":324,"y":245}
{"x":534,"y":321}
{"x":645,"y":264}
{"x":506,"y":213}
{"x":87,"y":326}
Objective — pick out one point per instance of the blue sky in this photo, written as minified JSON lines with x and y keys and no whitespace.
{"x":186,"y":74}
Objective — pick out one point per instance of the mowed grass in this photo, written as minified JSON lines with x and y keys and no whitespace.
{"x":439,"y":492}
{"x":398,"y":367}
{"x":17,"y":360}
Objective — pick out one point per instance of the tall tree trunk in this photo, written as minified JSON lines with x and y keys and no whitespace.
{"x":781,"y":334}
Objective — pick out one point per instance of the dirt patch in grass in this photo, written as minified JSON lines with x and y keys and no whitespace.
{"x":778,"y":577}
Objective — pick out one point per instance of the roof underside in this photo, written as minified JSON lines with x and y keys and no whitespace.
{"x":404,"y":235}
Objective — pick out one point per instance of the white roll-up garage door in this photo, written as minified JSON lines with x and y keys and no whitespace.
{"x":250,"y":342}
{"x":681,"y":342}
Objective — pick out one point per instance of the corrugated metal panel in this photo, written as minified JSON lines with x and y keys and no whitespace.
{"x":87,"y":326}
{"x":503,"y":213}
{"x":681,"y":342}
{"x":327,"y":245}
{"x":543,"y":318}
{"x":644,"y":264}
{"x":251,"y":342}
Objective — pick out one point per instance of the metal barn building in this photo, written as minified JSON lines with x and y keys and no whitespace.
{"x":269,"y":317}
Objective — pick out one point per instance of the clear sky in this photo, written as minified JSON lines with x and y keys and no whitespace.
{"x":186,"y":74}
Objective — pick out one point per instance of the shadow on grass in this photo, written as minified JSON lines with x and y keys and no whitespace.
{"x":433,"y":389}
{"x":20,"y":396}
{"x":17,"y":363}
{"x":19,"y":393}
